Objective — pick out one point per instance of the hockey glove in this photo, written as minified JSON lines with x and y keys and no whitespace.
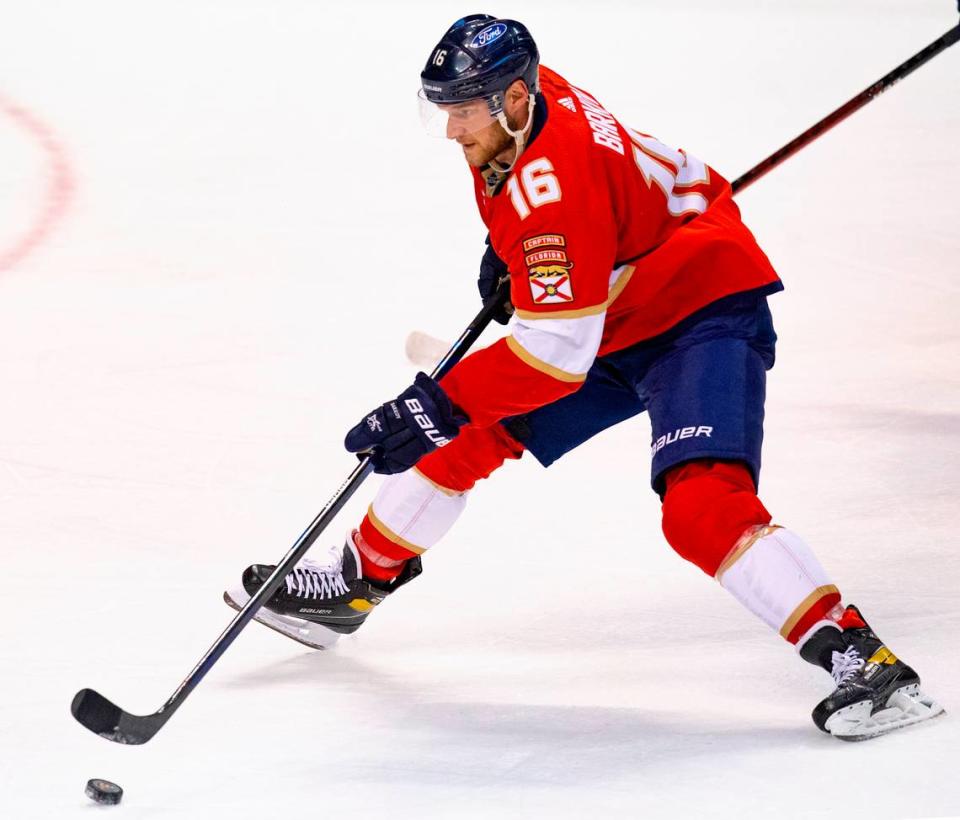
{"x":494,"y":276}
{"x":401,"y":432}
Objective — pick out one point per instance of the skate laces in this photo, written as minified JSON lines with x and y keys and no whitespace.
{"x":312,"y":580}
{"x":845,"y":665}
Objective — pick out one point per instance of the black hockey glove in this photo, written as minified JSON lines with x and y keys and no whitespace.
{"x":401,"y":432}
{"x":494,"y":276}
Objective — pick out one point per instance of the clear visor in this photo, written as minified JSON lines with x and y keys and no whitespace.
{"x":453,"y":120}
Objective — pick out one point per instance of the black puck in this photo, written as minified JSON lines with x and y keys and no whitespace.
{"x":103,"y":791}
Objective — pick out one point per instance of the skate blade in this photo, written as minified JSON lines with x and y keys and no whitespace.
{"x":905,"y":707}
{"x":309,"y":634}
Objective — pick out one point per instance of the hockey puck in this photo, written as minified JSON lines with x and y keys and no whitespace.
{"x":103,"y":791}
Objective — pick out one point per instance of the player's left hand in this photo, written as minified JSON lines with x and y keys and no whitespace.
{"x":401,"y":432}
{"x":494,"y":276}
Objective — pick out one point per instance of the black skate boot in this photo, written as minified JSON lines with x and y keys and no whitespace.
{"x":876,"y":691}
{"x":319,"y":601}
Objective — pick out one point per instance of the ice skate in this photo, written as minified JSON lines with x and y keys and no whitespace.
{"x":319,"y":600}
{"x":876,"y":691}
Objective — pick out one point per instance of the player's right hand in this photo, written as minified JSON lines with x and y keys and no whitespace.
{"x":399,"y":433}
{"x":493,"y":277}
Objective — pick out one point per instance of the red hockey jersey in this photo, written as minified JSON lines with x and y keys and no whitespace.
{"x":611,"y":238}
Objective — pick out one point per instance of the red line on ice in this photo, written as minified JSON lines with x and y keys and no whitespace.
{"x":60,"y":185}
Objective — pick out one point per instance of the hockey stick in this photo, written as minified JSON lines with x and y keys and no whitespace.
{"x":108,"y":720}
{"x":422,"y":348}
{"x":854,"y":104}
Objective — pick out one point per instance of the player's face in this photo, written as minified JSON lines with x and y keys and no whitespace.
{"x":471,"y":125}
{"x":479,"y":147}
{"x":466,"y":118}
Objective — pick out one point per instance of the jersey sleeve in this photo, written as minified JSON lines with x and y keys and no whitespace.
{"x":557,"y":234}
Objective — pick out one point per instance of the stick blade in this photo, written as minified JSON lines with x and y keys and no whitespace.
{"x":102,"y":717}
{"x":424,"y":350}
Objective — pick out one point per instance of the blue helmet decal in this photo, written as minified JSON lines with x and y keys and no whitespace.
{"x":488,"y":35}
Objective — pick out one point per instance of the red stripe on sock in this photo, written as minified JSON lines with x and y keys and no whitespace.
{"x":817,"y":612}
{"x":371,"y":544}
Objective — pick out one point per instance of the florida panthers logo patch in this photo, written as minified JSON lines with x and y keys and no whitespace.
{"x":548,"y":267}
{"x":550,"y":284}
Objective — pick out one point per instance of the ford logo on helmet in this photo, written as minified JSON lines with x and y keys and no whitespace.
{"x":487,"y":35}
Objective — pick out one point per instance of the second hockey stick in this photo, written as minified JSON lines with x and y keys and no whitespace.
{"x":852,"y":105}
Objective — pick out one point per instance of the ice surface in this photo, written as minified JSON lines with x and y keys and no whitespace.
{"x":255,"y":222}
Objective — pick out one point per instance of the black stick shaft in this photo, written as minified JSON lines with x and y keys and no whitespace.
{"x":317,"y":526}
{"x":848,"y":108}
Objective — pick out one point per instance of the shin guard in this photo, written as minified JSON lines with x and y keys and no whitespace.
{"x":774,"y":574}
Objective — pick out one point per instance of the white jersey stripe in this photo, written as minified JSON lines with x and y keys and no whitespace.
{"x":568,"y":345}
{"x":564,"y":343}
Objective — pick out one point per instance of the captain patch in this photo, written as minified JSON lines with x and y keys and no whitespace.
{"x":550,"y":285}
{"x":535,"y":242}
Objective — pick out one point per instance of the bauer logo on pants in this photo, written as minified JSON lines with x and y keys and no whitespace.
{"x":676,"y":435}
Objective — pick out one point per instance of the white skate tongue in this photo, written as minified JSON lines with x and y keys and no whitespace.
{"x":351,"y":549}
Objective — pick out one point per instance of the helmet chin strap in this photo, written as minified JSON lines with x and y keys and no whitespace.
{"x":519,"y":136}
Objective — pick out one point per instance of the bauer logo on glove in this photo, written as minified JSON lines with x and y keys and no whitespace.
{"x":401,"y":432}
{"x":426,"y":423}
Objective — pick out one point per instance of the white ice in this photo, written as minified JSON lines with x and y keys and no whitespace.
{"x":253,"y":223}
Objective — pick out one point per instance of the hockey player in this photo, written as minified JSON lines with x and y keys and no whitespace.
{"x":633,"y":286}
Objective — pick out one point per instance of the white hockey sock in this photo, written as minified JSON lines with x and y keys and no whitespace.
{"x":414,"y":512}
{"x":774,"y":574}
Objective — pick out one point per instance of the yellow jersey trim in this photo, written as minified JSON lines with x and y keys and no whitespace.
{"x":593,"y":310}
{"x":544,"y":367}
{"x":440,"y":487}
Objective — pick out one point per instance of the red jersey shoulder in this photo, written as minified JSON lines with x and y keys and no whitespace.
{"x":562,"y":169}
{"x":554,"y":221}
{"x":566,"y":162}
{"x":592,"y":123}
{"x":576,"y":141}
